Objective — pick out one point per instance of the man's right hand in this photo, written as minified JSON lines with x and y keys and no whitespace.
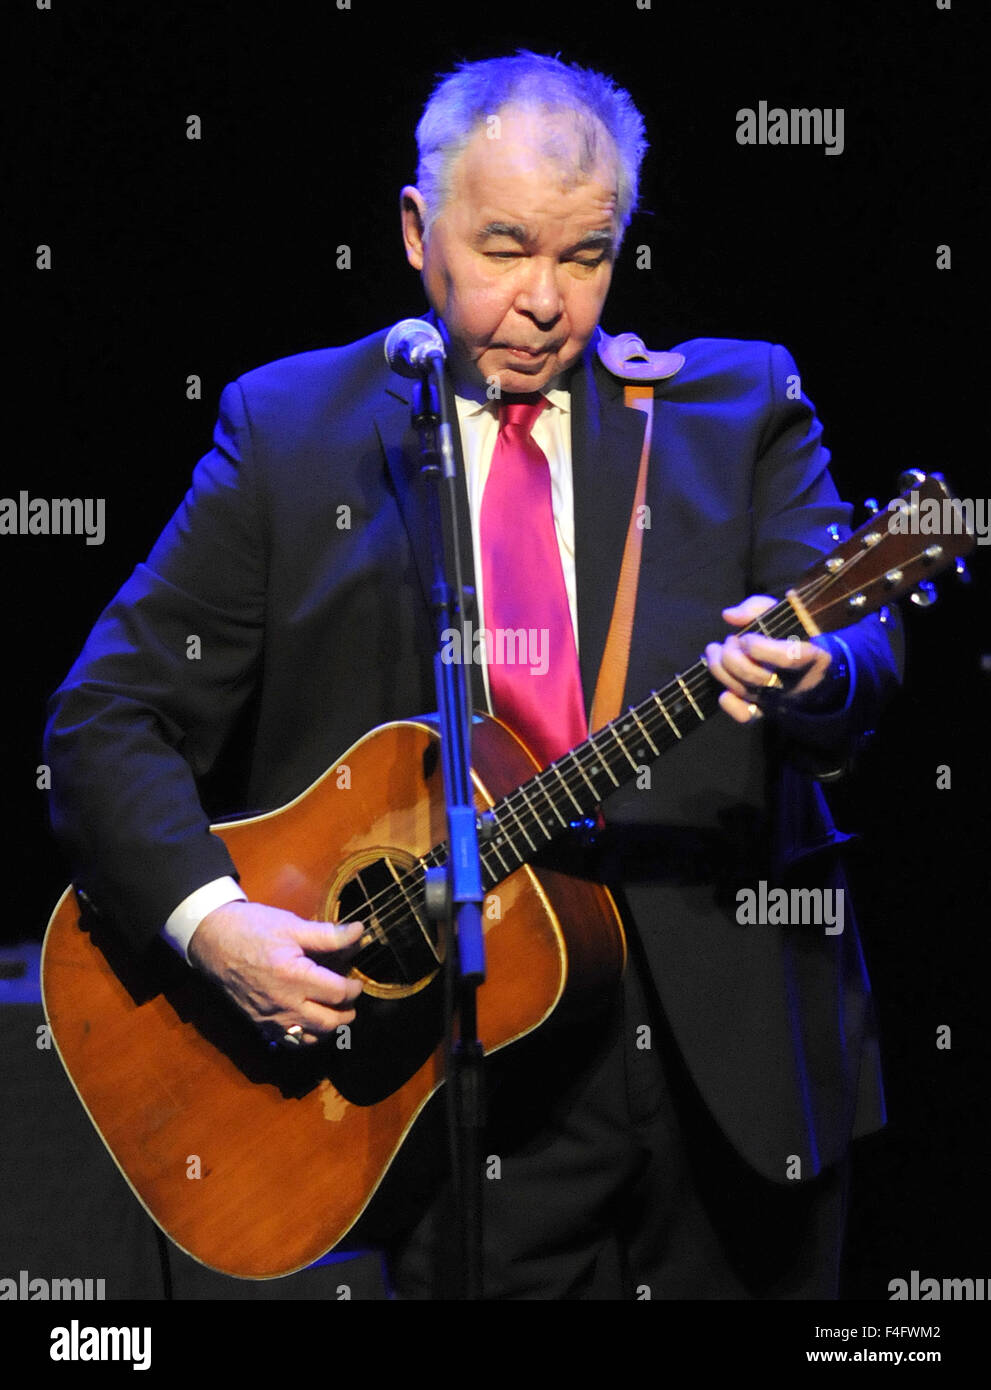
{"x":259,"y":956}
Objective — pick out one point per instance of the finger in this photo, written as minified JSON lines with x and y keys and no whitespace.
{"x":326,"y":937}
{"x":744,"y":670}
{"x":743,"y":711}
{"x":751,"y":675}
{"x":714,"y":659}
{"x":806,"y":668}
{"x":323,"y":986}
{"x":747,"y":611}
{"x":317,"y":1019}
{"x":790,"y":655}
{"x":288,"y":1036}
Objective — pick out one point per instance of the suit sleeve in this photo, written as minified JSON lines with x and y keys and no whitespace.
{"x":148,"y":705}
{"x":794,"y":503}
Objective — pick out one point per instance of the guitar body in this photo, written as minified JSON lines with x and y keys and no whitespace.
{"x":289,"y":1147}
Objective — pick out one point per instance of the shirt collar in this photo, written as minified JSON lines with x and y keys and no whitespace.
{"x":472,"y":403}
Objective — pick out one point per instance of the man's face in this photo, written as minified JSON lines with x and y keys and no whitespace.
{"x":519,"y":261}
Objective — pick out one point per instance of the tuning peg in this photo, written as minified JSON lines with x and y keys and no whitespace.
{"x":872,"y":505}
{"x":833,"y":532}
{"x":884,"y":614}
{"x":912,"y":477}
{"x":924,"y":596}
{"x":961,"y":571}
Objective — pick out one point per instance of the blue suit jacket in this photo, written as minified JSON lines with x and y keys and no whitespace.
{"x":299,"y":560}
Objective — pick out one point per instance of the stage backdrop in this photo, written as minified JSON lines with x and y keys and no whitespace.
{"x":205,"y":186}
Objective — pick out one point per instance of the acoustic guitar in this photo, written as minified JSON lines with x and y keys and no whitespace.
{"x":257,"y":1161}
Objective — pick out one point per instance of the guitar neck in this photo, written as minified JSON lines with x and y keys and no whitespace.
{"x":879,"y":563}
{"x":567,"y":794}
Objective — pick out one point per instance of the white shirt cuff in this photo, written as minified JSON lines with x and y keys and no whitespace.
{"x":179,"y":928}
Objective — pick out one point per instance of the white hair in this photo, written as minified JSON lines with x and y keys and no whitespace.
{"x":466,"y":98}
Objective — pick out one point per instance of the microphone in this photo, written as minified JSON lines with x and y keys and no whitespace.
{"x":411,"y":347}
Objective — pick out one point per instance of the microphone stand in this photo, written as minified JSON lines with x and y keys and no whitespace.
{"x":454,"y":892}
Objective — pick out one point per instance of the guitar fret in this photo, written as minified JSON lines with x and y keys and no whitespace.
{"x":497,"y":844}
{"x":538,"y":782}
{"x":508,"y":803}
{"x":502,"y":841}
{"x":594,"y":745}
{"x":567,"y":790}
{"x":623,"y":747}
{"x":536,"y":818}
{"x":493,"y":848}
{"x":688,"y":697}
{"x":576,"y":759}
{"x":661,"y":706}
{"x":653,"y":746}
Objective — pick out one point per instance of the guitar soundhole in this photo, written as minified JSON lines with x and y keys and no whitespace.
{"x":400,"y":952}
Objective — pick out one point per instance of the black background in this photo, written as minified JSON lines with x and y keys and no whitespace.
{"x":173,"y":257}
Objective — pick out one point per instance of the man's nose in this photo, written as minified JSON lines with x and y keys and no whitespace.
{"x":539,"y":296}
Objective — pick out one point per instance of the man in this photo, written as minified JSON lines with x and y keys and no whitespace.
{"x":710,"y":1162}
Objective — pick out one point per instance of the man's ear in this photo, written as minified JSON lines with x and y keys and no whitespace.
{"x":413,"y":212}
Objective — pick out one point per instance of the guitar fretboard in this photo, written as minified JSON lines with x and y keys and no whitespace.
{"x":568,"y":793}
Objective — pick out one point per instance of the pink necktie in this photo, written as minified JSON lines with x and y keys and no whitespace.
{"x":533,"y":669}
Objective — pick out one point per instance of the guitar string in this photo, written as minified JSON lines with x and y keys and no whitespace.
{"x":396,"y":917}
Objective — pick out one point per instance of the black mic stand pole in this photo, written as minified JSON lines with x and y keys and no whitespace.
{"x":454,"y":891}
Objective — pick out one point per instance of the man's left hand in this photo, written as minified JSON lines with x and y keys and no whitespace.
{"x":750,"y":663}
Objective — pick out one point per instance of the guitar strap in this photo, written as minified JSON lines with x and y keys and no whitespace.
{"x":611,"y":681}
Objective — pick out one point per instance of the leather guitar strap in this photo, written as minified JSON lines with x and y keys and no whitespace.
{"x":611,"y":681}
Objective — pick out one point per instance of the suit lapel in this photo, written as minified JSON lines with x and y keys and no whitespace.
{"x":606,"y":442}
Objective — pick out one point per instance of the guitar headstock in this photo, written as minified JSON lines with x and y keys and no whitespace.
{"x":906,"y":544}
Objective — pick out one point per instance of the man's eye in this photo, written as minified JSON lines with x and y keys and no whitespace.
{"x":575,"y":260}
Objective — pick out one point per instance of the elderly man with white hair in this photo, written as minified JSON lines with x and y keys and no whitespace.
{"x":690,"y":1138}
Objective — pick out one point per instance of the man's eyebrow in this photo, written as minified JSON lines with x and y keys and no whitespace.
{"x":514,"y":230}
{"x":591,"y":240}
{"x":518,"y":233}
